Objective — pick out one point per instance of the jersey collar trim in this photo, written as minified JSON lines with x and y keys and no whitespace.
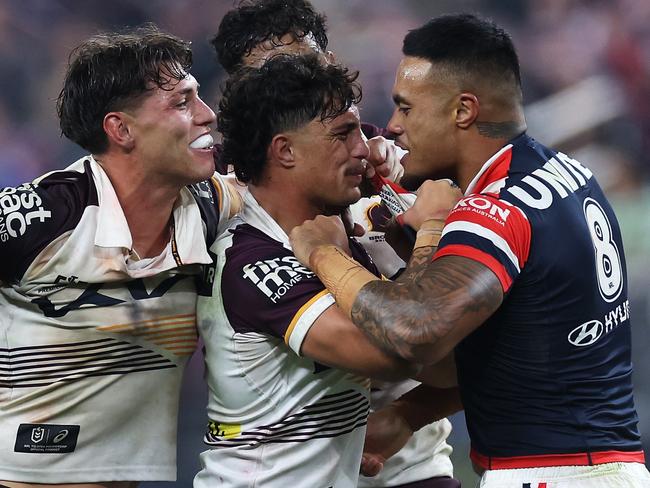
{"x":113,"y":230}
{"x":494,"y":171}
{"x":256,"y":216}
{"x":485,"y":175}
{"x":112,"y":227}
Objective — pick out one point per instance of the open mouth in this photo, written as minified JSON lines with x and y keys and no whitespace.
{"x":202,"y":142}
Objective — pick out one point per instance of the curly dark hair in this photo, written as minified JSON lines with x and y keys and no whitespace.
{"x":285,"y":94}
{"x":111,"y":71}
{"x":254,"y":22}
{"x":467,"y":44}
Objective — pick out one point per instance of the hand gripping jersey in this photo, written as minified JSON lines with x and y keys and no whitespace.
{"x":426,"y":454}
{"x":93,"y":341}
{"x":546,"y":381}
{"x":277,"y":419}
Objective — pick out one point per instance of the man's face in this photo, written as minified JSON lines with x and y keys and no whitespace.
{"x":287,"y":44}
{"x":172,"y":133}
{"x":424,"y":120}
{"x":329,"y":161}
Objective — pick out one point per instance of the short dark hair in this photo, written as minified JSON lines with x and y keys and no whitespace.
{"x":466,"y":43}
{"x":285,"y":94}
{"x":111,"y":71}
{"x":254,"y":22}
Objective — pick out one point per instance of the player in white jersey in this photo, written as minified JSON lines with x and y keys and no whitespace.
{"x":247,"y":36}
{"x":281,"y":411}
{"x":98,"y":273}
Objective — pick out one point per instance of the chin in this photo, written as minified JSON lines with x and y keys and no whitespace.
{"x":412,"y":182}
{"x":203,"y":170}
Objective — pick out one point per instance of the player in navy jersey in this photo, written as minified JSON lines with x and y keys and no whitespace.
{"x":522,"y":275}
{"x":98,"y":270}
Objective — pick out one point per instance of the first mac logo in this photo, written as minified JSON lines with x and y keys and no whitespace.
{"x":46,"y":438}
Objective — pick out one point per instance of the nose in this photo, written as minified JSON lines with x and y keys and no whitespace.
{"x":203,"y":114}
{"x":360,"y":149}
{"x":394,"y":124}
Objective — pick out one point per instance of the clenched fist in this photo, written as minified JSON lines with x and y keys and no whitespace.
{"x":434,"y":201}
{"x":322,"y":231}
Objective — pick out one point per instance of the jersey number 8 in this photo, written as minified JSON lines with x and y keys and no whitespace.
{"x":608,"y":260}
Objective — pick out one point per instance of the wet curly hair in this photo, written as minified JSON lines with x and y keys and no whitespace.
{"x":254,"y":22}
{"x":286,"y":93}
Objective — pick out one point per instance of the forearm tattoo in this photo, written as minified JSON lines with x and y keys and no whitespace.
{"x":411,"y":316}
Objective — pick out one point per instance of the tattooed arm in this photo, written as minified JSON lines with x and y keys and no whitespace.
{"x":430,"y":308}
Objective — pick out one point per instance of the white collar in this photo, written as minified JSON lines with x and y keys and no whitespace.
{"x":113,"y":230}
{"x":256,"y":216}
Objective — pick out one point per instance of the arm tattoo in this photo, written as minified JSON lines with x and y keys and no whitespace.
{"x":499,"y":130}
{"x":418,"y":262}
{"x":431,"y":307}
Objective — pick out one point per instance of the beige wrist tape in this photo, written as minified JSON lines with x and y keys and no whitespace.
{"x":341,"y":274}
{"x":429,"y":234}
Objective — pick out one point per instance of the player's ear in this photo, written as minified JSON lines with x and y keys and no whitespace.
{"x":119,"y":130}
{"x":467,"y":110}
{"x":281,"y":150}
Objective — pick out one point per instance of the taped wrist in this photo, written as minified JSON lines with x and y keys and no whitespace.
{"x":340,"y":274}
{"x":429,"y":234}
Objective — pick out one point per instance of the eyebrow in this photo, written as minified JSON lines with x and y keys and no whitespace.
{"x":399,"y":99}
{"x":346,"y":127}
{"x":189,"y":89}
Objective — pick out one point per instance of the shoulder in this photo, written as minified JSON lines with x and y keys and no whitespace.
{"x":259,"y":266}
{"x":263,"y":285}
{"x":218,"y":201}
{"x":34,"y":214}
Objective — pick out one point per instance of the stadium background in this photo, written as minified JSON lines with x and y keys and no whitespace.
{"x":586,"y":74}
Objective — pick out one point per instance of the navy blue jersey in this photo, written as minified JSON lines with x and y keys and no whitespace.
{"x":547,"y":379}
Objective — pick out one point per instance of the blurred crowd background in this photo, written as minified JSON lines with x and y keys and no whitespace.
{"x":586,"y":75}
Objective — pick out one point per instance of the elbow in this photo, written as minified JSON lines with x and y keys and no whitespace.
{"x":420,"y":353}
{"x":424,"y":353}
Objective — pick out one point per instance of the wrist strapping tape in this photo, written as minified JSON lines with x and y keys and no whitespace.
{"x":430,"y":233}
{"x":340,"y":274}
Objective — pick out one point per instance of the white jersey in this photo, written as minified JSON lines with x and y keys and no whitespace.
{"x":426,"y":454}
{"x":93,"y":341}
{"x":372,"y":215}
{"x":277,"y":419}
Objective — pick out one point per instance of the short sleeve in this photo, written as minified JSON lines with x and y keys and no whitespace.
{"x":33,"y":215}
{"x":265,"y":289}
{"x":491,"y":231}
